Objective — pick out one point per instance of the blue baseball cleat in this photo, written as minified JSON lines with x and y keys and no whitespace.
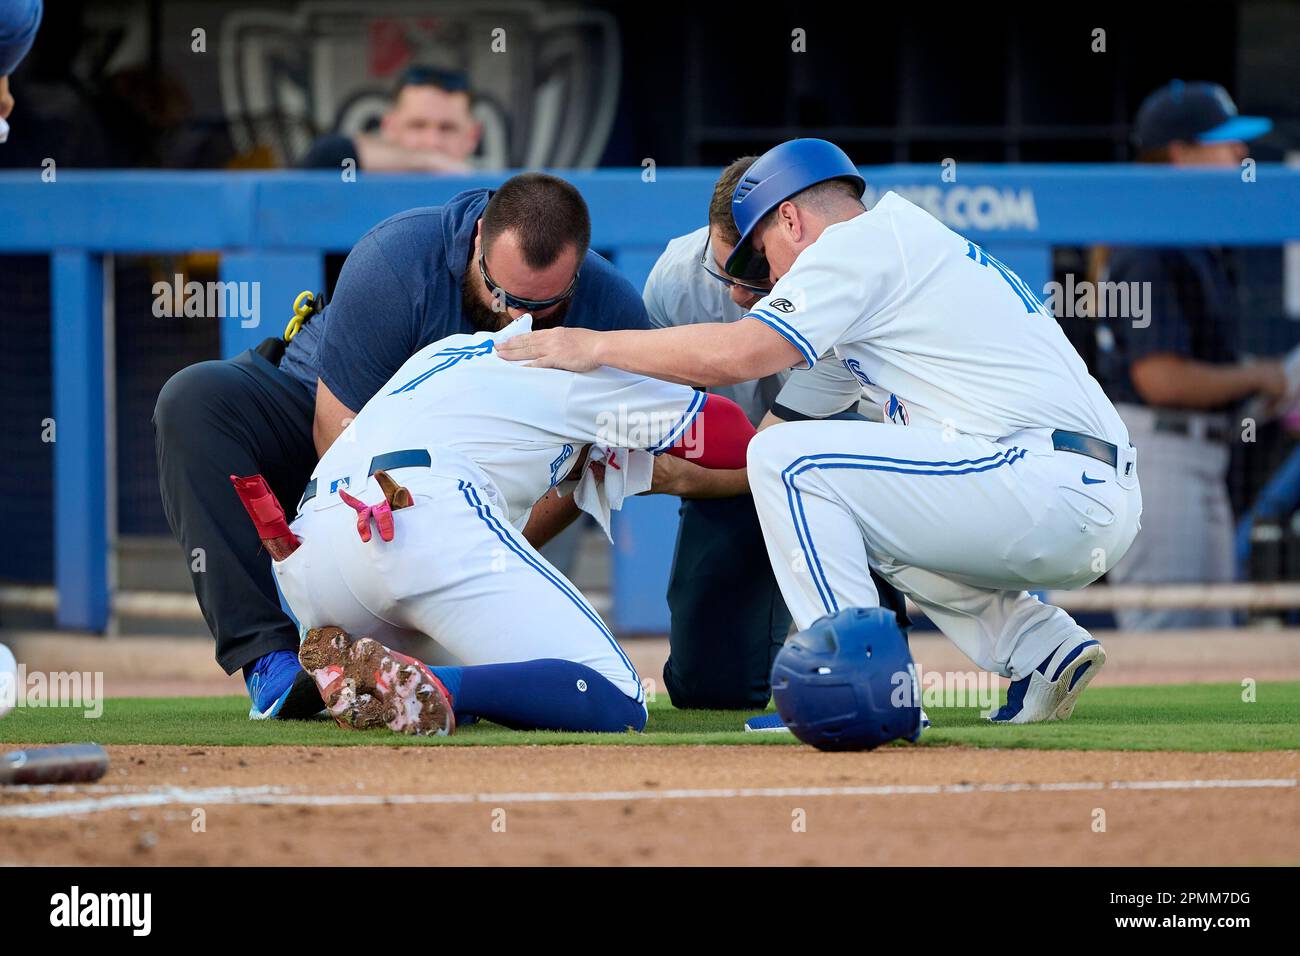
{"x":279,"y":688}
{"x":1053,"y":689}
{"x":766,"y":722}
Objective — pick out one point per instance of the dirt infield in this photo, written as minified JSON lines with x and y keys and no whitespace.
{"x":679,"y":805}
{"x":615,"y":805}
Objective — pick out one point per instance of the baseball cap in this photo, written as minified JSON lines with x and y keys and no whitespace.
{"x":1194,"y":113}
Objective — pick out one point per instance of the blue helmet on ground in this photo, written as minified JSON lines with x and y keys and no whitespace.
{"x":848,"y":682}
{"x":773,"y":178}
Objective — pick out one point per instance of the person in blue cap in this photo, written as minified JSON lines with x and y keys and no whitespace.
{"x":1177,"y":376}
{"x":1194,"y":124}
{"x":19,"y":21}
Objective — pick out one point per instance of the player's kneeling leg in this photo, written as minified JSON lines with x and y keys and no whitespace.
{"x":546,"y":694}
{"x":848,"y":682}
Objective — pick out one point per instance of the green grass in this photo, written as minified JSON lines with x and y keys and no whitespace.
{"x":1192,"y":717}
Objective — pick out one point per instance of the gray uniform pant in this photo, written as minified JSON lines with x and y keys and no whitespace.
{"x":1187,"y":526}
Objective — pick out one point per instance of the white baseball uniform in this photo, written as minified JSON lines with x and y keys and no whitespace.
{"x":497,"y":435}
{"x":958,"y":497}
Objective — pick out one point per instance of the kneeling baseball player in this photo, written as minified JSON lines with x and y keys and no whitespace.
{"x":411,"y":523}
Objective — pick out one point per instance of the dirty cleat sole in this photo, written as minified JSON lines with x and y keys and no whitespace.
{"x":341,"y":675}
{"x":365,"y":684}
{"x":413,"y":700}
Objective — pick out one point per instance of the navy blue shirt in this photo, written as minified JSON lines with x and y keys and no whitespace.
{"x":400,"y":289}
{"x":1193,"y":310}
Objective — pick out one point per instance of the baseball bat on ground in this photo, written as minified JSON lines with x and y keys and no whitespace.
{"x":72,"y":763}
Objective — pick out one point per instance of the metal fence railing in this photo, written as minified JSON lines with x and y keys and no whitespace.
{"x":275,"y":228}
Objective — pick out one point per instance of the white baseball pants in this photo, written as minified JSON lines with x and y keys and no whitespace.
{"x":963,"y":525}
{"x":456,"y":571}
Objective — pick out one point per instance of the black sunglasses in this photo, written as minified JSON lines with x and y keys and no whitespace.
{"x":707,"y":265}
{"x":514,"y":301}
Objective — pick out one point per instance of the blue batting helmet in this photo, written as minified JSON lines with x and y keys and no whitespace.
{"x":773,"y":178}
{"x":848,"y":682}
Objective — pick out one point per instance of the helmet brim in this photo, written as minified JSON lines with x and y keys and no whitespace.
{"x":746,"y":264}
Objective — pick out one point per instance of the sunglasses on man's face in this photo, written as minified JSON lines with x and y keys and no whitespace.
{"x":514,"y":301}
{"x":706,"y":262}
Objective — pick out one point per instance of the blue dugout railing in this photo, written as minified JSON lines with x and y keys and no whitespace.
{"x":274,"y":228}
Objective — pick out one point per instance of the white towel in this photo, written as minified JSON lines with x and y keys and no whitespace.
{"x":627,"y":472}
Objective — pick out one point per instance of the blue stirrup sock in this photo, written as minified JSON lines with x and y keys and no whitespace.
{"x":547,"y":694}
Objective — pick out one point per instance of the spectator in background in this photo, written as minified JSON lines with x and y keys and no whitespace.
{"x":1177,"y":381}
{"x":19,"y":20}
{"x":430,"y":127}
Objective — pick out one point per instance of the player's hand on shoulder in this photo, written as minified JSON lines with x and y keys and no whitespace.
{"x":572,"y":349}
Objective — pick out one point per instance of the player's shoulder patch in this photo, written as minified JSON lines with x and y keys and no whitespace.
{"x":782,"y":305}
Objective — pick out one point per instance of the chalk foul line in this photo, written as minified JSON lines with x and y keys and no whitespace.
{"x":284,"y":796}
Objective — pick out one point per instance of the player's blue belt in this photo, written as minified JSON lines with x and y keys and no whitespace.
{"x":1082,"y":444}
{"x":406,"y":458}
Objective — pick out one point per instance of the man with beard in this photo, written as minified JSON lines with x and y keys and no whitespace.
{"x":475,"y":264}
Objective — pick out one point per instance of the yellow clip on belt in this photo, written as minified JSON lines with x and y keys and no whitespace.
{"x":304,"y":307}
